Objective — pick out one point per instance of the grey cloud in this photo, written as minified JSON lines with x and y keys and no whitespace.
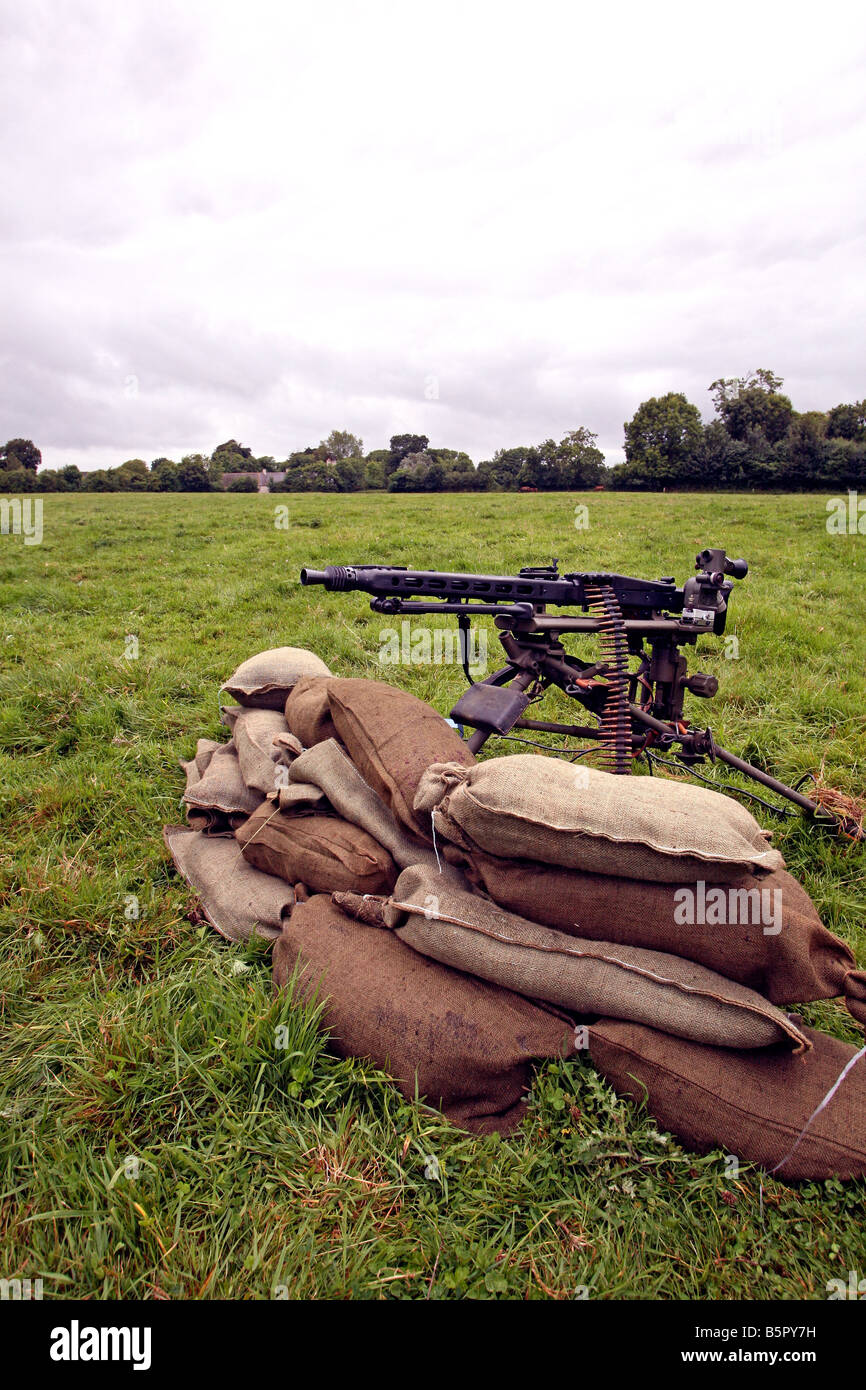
{"x":267,"y":223}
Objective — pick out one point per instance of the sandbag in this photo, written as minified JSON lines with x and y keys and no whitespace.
{"x":600,"y":977}
{"x":196,"y":766}
{"x":219,"y":800}
{"x":302,"y":798}
{"x":308,"y":713}
{"x":762,"y":931}
{"x":285,"y":747}
{"x":325,"y":852}
{"x":392,"y":738}
{"x":537,"y":807}
{"x":750,"y":1104}
{"x":264,"y":681}
{"x":254,"y":732}
{"x":236,"y":899}
{"x":327,"y":767}
{"x":465,"y":1046}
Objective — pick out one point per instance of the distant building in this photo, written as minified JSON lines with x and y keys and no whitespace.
{"x":263,"y":479}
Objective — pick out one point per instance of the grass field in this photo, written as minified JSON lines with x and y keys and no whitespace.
{"x":154,"y":1143}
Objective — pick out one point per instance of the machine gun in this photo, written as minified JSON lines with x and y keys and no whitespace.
{"x":638,"y":712}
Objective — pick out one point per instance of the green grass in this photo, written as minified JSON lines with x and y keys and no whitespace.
{"x":155,"y":1142}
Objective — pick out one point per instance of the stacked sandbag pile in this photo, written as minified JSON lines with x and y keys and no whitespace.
{"x":459,"y":919}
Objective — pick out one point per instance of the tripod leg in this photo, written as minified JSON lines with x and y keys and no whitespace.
{"x":755,"y":772}
{"x":478,"y":739}
{"x":671,"y":732}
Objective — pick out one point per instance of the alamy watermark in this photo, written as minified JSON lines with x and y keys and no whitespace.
{"x":77,"y":1343}
{"x":854,"y":1288}
{"x":720,"y":907}
{"x":846,"y":515}
{"x":19,"y":1290}
{"x":424,"y":646}
{"x":22,"y":516}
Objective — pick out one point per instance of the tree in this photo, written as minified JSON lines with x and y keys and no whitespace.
{"x":230,"y":457}
{"x":581,"y":464}
{"x":662,"y":438}
{"x":245,"y":484}
{"x":847,"y":421}
{"x":20,"y":453}
{"x":434,"y":477}
{"x":753,"y":402}
{"x":132,"y":476}
{"x":720,"y":461}
{"x":19,"y":480}
{"x":49,"y":480}
{"x":305,"y":474}
{"x":100,"y":480}
{"x":807,"y":451}
{"x":846,"y":463}
{"x":453,"y":460}
{"x":192,"y":475}
{"x":402,"y":445}
{"x":374,"y":471}
{"x":630,"y":477}
{"x":218,"y":464}
{"x":233,"y":449}
{"x":503,"y":470}
{"x":340,"y":444}
{"x":350,"y":473}
{"x":411,"y":476}
{"x":71,"y":475}
{"x":163,"y":476}
{"x":308,"y":455}
{"x":531,"y":472}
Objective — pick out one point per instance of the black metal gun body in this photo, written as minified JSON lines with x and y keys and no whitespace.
{"x":394,"y":587}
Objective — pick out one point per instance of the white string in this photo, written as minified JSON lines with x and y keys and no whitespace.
{"x":852,"y":1062}
{"x":435,"y":850}
{"x":824,"y":1103}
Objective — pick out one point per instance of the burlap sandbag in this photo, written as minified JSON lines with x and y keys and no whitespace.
{"x":392,"y":737}
{"x":264,"y":681}
{"x":219,"y":800}
{"x":754,"y":1105}
{"x":327,"y":767}
{"x":771,"y":940}
{"x":238,"y":900}
{"x":325,"y":852}
{"x":301,"y":798}
{"x":458,"y":1043}
{"x":308,"y":713}
{"x":253,"y":735}
{"x":472,"y":934}
{"x":535,"y":807}
{"x":196,"y":767}
{"x":286,"y":747}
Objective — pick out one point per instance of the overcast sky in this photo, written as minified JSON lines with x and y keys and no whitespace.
{"x":488,"y":223}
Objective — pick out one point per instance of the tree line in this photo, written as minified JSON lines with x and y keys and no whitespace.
{"x":756,"y":441}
